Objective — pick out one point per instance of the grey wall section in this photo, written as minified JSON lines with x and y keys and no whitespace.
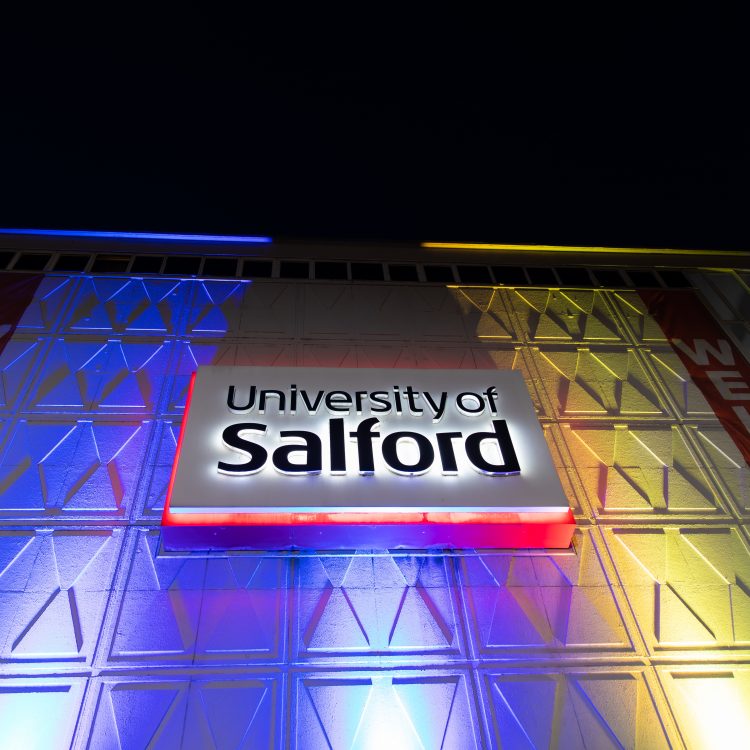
{"x":638,"y":636}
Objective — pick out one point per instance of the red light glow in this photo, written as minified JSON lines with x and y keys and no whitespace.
{"x":166,"y":514}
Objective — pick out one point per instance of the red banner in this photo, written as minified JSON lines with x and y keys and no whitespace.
{"x":715,"y":364}
{"x":16,"y":292}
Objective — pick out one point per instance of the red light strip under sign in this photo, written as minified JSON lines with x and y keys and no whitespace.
{"x":350,"y":529}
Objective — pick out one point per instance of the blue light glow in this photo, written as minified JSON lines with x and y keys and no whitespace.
{"x":217,"y":238}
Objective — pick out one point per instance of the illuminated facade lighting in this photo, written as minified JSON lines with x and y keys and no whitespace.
{"x":144,"y":236}
{"x":636,"y":635}
{"x":577,"y":249}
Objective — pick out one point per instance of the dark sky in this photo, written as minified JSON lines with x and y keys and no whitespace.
{"x":195,"y":126}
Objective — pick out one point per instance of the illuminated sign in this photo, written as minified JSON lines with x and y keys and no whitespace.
{"x":325,"y":457}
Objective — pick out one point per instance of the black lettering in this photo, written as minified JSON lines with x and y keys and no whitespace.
{"x":338,"y":401}
{"x":502,"y":436}
{"x":312,"y":449}
{"x":437,"y":409}
{"x":412,"y":396}
{"x":469,"y":411}
{"x":256,"y":453}
{"x":390,"y":453}
{"x":397,"y":399}
{"x":445,"y":447}
{"x":364,"y":437}
{"x":311,"y":407}
{"x":239,"y":409}
{"x":265,"y":394}
{"x":338,"y":449}
{"x":358,"y":397}
{"x":380,"y":397}
{"x":491,"y":394}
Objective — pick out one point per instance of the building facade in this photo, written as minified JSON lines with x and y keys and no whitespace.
{"x":636,"y":636}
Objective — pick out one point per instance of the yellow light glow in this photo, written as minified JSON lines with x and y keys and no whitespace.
{"x":486,"y":246}
{"x":716,"y":710}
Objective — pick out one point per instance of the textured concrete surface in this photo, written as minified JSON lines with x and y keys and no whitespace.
{"x":638,"y":636}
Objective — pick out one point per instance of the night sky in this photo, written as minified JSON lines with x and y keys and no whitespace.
{"x":196,"y":126}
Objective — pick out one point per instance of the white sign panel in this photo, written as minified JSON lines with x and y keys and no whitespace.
{"x":318,"y":440}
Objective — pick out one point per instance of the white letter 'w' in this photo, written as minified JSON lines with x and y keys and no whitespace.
{"x":702,"y":349}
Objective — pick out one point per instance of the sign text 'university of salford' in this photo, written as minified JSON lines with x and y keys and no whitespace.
{"x":310,"y":441}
